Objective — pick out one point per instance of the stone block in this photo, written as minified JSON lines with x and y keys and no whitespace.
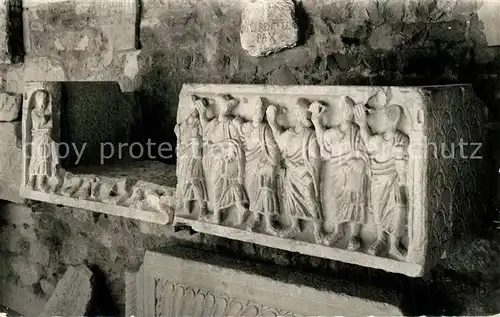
{"x":74,"y":19}
{"x":72,"y":294}
{"x":10,"y":161}
{"x":186,"y":282}
{"x":107,"y":191}
{"x":383,"y":177}
{"x":268,"y":27}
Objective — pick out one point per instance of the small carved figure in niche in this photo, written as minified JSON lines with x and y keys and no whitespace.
{"x":388,"y":151}
{"x":44,"y":155}
{"x":344,"y":182}
{"x":191,"y":184}
{"x":224,"y":158}
{"x":262,"y":160}
{"x":300,"y":175}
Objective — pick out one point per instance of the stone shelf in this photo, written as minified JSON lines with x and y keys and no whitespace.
{"x":132,"y":189}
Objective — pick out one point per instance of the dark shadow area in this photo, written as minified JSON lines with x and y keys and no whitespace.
{"x":102,"y":302}
{"x":159,"y":98}
{"x":139,"y":4}
{"x":15,"y":31}
{"x":96,"y":118}
{"x":304,"y":23}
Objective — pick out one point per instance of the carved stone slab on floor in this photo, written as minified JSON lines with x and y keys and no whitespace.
{"x":44,"y":179}
{"x":364,"y":175}
{"x":187,"y":282}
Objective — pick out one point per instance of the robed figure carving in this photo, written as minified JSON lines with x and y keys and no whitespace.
{"x":44,"y":158}
{"x":300,"y":171}
{"x":224,"y":157}
{"x":262,"y":159}
{"x":388,"y":151}
{"x":190,"y":178}
{"x":344,"y":174}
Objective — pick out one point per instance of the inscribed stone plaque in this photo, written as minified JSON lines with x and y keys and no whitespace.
{"x":268,"y":27}
{"x":356,"y":174}
{"x":44,"y":178}
{"x":186,"y":282}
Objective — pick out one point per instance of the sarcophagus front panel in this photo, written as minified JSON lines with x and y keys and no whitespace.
{"x":340,"y":172}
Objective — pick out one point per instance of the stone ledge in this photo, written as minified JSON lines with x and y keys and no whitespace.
{"x":358,"y":258}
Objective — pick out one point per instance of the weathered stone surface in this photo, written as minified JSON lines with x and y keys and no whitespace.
{"x":268,"y":27}
{"x":115,"y":19}
{"x":219,"y":188}
{"x":202,"y":284}
{"x":10,"y":161}
{"x":72,"y":294}
{"x":5,"y":57}
{"x":10,"y":106}
{"x":44,"y":179}
{"x":29,"y":273}
{"x":21,"y":299}
{"x":47,"y":287}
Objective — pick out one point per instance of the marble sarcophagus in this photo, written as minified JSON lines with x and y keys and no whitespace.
{"x":383,"y":177}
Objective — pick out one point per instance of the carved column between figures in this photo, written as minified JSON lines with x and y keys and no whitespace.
{"x":336,"y":172}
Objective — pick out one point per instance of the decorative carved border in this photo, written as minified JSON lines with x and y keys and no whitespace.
{"x":192,"y":283}
{"x":116,"y":196}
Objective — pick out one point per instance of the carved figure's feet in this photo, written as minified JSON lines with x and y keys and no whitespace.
{"x":44,"y":187}
{"x":205,"y":217}
{"x":317,"y":236}
{"x":269,"y":228}
{"x":398,"y":251}
{"x":377,"y":247}
{"x":354,"y":243}
{"x":329,"y":227}
{"x":203,"y":208}
{"x":289,"y":233}
{"x":333,"y":238}
{"x":215,"y":217}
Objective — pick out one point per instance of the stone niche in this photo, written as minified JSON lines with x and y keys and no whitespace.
{"x":134,"y":189}
{"x":187,"y":282}
{"x":370,"y":176}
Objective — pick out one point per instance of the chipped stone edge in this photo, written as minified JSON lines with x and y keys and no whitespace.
{"x":116,"y":210}
{"x":331,"y":253}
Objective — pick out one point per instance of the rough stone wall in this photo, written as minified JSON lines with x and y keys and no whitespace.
{"x":341,"y":42}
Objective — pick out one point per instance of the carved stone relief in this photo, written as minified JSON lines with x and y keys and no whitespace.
{"x":187,"y":282}
{"x":44,"y":179}
{"x":334,"y":172}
